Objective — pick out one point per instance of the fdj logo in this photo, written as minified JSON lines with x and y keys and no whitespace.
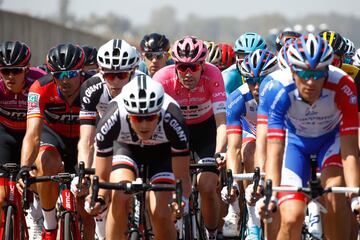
{"x":33,"y":97}
{"x":313,"y":219}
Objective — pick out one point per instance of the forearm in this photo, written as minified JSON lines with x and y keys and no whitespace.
{"x":260,"y":150}
{"x":349,"y":154}
{"x":30,"y":149}
{"x":233,"y":159}
{"x":181,"y":166}
{"x":103,"y":170}
{"x":86,"y":151}
{"x":273,"y":164}
{"x":221,"y":138}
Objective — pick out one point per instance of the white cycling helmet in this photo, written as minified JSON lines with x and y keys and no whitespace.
{"x":356,"y":58}
{"x":118,"y":55}
{"x":142,"y":95}
{"x":214,"y":53}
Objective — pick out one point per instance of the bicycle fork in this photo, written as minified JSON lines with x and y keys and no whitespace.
{"x":68,"y":207}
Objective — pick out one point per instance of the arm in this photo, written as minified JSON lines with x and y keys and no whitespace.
{"x":181,"y":166}
{"x":260,"y":150}
{"x":220,"y":120}
{"x":273,"y":164}
{"x":86,"y":144}
{"x":31,"y":141}
{"x":349,"y":154}
{"x":233,"y":153}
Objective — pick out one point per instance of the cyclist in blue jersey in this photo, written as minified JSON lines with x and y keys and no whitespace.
{"x":245,"y":44}
{"x":241,"y":108}
{"x":315,"y":112}
{"x":154,"y":48}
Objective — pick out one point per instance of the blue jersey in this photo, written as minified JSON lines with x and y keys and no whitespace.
{"x":232,"y":79}
{"x":266,"y":96}
{"x":241,"y":110}
{"x":336,"y":107}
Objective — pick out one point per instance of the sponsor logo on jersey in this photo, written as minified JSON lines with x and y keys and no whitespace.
{"x":176,"y":126}
{"x":353,"y":100}
{"x":33,"y":101}
{"x":109,"y":123}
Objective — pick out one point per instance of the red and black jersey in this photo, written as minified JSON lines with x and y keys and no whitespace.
{"x":44,"y":101}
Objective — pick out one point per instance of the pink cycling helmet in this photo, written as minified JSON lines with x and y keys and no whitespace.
{"x":189,"y":50}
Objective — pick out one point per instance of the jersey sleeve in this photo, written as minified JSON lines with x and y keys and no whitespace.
{"x":108,"y":130}
{"x":235,"y":110}
{"x":176,"y":130}
{"x":347,"y":101}
{"x":266,"y":97}
{"x":89,"y":97}
{"x":217,"y":90}
{"x":277,"y":113}
{"x":35,"y":102}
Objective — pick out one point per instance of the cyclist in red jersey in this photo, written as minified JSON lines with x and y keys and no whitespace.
{"x":16,"y":77}
{"x":198,"y":87}
{"x":50,"y":142}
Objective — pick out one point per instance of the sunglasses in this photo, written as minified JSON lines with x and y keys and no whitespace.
{"x":61,"y":75}
{"x":307,"y":74}
{"x":184,"y":68}
{"x":254,"y":80}
{"x":147,"y":118}
{"x":11,"y":70}
{"x":156,"y":55}
{"x":112,"y":75}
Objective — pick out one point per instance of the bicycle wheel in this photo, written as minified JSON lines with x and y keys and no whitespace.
{"x":10,"y":223}
{"x":184,"y":229}
{"x":67,"y":227}
{"x":134,"y":235}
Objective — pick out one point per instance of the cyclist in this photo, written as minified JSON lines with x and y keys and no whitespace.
{"x":245,"y":44}
{"x":227,"y":56}
{"x":349,"y":51}
{"x":198,"y":87}
{"x":356,"y":58}
{"x":52,"y":132}
{"x":149,"y":129}
{"x":16,"y":77}
{"x":154,"y":48}
{"x":241,"y":111}
{"x":90,"y":64}
{"x":214,"y":53}
{"x":117,"y":61}
{"x":283,"y":37}
{"x":315,"y":103}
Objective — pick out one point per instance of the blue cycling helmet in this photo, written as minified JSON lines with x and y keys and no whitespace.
{"x":258,"y":63}
{"x":309,"y":52}
{"x":249,"y":42}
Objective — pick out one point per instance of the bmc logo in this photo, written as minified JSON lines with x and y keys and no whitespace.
{"x":67,"y":199}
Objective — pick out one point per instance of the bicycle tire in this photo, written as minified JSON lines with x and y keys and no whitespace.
{"x":186,"y":229}
{"x":67,"y":227}
{"x":134,"y":235}
{"x":9,"y":223}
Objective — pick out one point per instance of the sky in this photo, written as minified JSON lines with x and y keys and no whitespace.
{"x":139,"y":11}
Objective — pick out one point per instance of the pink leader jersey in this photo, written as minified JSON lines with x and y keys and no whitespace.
{"x":206,"y":99}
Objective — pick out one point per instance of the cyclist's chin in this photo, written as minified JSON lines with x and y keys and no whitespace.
{"x":145,"y":135}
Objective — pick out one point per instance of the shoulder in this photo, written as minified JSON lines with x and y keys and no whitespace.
{"x":165,"y":73}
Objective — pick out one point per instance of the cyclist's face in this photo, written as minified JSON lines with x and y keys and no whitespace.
{"x":188,"y":77}
{"x":13,"y":78}
{"x":115,"y":81}
{"x":69,"y":86}
{"x":309,"y":90}
{"x":155,"y":61}
{"x":144,"y":128}
{"x":254,"y":89}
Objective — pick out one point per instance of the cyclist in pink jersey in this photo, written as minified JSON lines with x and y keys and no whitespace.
{"x":16,"y":77}
{"x":198,"y":87}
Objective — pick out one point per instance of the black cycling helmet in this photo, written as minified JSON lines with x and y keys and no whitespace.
{"x":155,"y":42}
{"x":14,"y":54}
{"x":283,"y":37}
{"x":90,"y":55}
{"x":65,"y":57}
{"x":335,"y":40}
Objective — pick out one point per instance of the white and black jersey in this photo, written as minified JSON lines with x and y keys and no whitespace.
{"x":94,"y":97}
{"x":115,"y":126}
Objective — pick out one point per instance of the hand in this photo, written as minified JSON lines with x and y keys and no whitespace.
{"x":183,"y":210}
{"x":99,"y":207}
{"x":220,"y":160}
{"x":85,"y":184}
{"x":266,"y":214}
{"x":20,"y":185}
{"x":234,"y":194}
{"x":355,"y":205}
{"x":251,"y":196}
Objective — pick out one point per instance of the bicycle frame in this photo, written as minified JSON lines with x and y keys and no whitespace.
{"x":13,"y":198}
